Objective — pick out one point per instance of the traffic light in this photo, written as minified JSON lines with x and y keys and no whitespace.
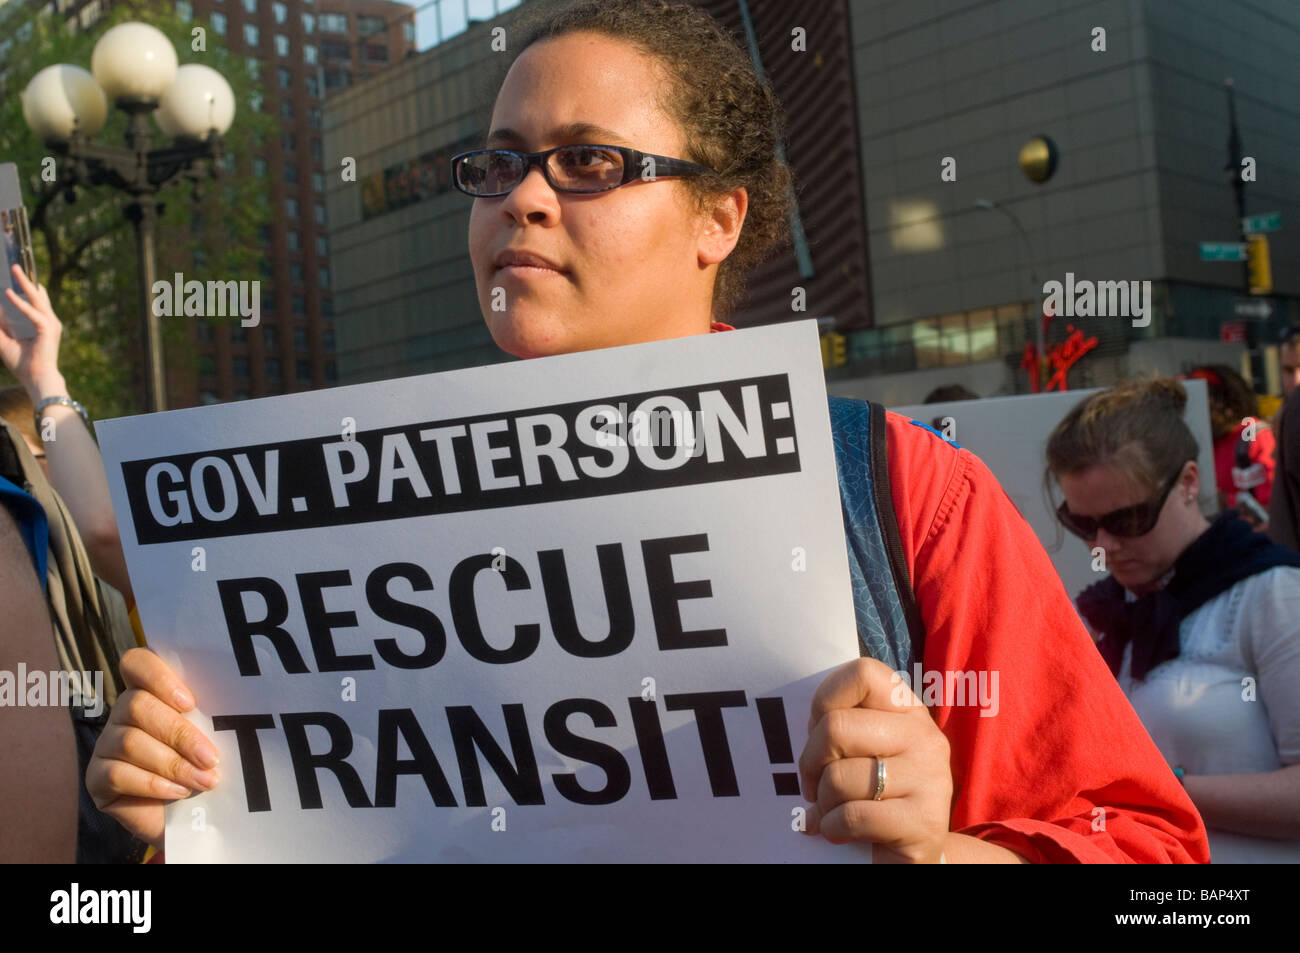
{"x":1257,"y":265}
{"x":834,"y":350}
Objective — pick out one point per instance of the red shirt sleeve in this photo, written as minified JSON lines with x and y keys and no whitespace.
{"x":1059,"y":767}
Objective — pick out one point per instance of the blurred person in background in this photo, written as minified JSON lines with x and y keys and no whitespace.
{"x":1243,"y":444}
{"x":1284,"y":505}
{"x":70,"y":459}
{"x":1288,"y":355}
{"x":54,"y":478}
{"x":1199,"y":620}
{"x":39,"y":777}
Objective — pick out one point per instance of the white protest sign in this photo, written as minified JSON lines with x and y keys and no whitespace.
{"x":509,"y":613}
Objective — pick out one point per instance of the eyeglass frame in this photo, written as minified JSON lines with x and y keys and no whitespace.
{"x":664,"y":166}
{"x":1066,"y":518}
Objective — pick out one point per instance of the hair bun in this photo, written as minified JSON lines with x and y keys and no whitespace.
{"x":1168,"y":390}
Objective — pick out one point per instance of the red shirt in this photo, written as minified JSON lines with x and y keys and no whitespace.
{"x":1261,"y":452}
{"x":1065,"y":741}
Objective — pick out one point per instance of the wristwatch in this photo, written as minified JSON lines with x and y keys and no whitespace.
{"x":65,"y":401}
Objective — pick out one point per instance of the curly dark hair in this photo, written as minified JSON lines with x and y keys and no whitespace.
{"x":1232,"y":398}
{"x":731,"y":119}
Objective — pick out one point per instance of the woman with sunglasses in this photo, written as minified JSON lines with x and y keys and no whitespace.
{"x":1198,"y":620}
{"x":630,"y":177}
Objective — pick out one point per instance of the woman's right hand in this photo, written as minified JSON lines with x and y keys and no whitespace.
{"x":148,"y":755}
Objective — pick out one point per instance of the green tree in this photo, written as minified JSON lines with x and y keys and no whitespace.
{"x":86,"y":250}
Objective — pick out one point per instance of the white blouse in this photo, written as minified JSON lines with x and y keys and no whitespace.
{"x":1230,"y":702}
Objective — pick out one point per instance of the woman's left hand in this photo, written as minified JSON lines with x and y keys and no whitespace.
{"x":35,"y":362}
{"x":862,"y":712}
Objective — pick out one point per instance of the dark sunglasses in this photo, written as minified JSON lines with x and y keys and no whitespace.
{"x":1129,"y":522}
{"x":488,"y":173}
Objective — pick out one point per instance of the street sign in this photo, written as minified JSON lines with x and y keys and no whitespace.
{"x":1223,"y":251}
{"x":1267,"y":222}
{"x":1232,"y":333}
{"x":1252,"y":308}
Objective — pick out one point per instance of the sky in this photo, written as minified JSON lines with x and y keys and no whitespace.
{"x":448,"y":17}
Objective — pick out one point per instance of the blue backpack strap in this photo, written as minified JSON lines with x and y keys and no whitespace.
{"x":32,"y":523}
{"x":888,"y":617}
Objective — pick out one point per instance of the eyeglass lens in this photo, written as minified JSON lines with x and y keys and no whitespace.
{"x":577,"y":168}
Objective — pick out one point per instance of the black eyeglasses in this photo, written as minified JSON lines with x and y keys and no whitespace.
{"x":488,"y":173}
{"x":1128,"y":522}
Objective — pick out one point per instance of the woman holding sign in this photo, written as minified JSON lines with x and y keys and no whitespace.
{"x":631,"y":177}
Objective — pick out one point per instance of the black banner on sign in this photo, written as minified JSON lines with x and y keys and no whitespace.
{"x":626,"y":443}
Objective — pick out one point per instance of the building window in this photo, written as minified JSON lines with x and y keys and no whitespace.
{"x":288,"y":143}
{"x":327,"y":340}
{"x":317,"y":151}
{"x":291,"y":174}
{"x":320,"y":213}
{"x":336,"y":79}
{"x":207,"y":365}
{"x":324,"y":275}
{"x":322,"y":245}
{"x":238,"y":333}
{"x":268,"y":302}
{"x":255,"y":100}
{"x":219,"y":23}
{"x":269,"y":337}
{"x":208,"y":397}
{"x":293,"y":237}
{"x":254,"y":66}
{"x":300,"y":339}
{"x":280,"y":12}
{"x":185,"y":11}
{"x":203,"y":331}
{"x":368,"y":26}
{"x":250,"y":34}
{"x":264,"y":234}
{"x":295,"y":272}
{"x":303,"y":370}
{"x":250,"y":6}
{"x":291,"y":207}
{"x":327,"y":307}
{"x":376,"y":53}
{"x":281,"y":45}
{"x":239,"y":367}
{"x":314,"y":116}
{"x":408,"y":32}
{"x":299,"y":304}
{"x":259,"y":167}
{"x":286,"y":109}
{"x":318,"y":182}
{"x":313,"y":88}
{"x":264,"y":268}
{"x":308,"y":22}
{"x":331,"y":371}
{"x":309,"y":54}
{"x":273,"y":368}
{"x":335,"y":51}
{"x":286,"y":77}
{"x":333,"y":22}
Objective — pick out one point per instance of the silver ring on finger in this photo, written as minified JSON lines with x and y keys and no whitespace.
{"x":880,"y":779}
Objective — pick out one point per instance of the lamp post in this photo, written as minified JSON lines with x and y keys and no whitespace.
{"x":1040,"y":337}
{"x":134,"y":65}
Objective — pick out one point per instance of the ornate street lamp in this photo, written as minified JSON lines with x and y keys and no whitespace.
{"x":134,"y":66}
